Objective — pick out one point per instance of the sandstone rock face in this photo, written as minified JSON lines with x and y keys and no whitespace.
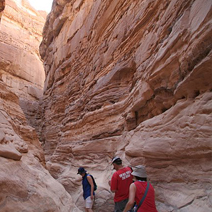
{"x":21,"y":66}
{"x":134,"y":79}
{"x":25,"y":183}
{"x":2,"y":6}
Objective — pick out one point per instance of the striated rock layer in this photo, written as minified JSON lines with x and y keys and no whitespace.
{"x":25,"y":183}
{"x":21,"y":66}
{"x":134,"y":79}
{"x":20,"y":36}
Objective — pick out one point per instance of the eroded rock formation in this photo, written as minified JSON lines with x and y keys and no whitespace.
{"x":21,"y":66}
{"x":132,"y":78}
{"x":25,"y":183}
{"x":23,"y":69}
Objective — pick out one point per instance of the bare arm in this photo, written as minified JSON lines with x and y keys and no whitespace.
{"x":131,"y":198}
{"x":90,"y":180}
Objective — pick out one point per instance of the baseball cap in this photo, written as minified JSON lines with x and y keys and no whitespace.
{"x":116,"y":159}
{"x":81,"y":170}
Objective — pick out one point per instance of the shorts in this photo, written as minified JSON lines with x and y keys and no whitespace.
{"x":88,"y":202}
{"x":119,"y":206}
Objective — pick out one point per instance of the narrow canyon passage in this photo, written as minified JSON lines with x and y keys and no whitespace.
{"x":96,"y":79}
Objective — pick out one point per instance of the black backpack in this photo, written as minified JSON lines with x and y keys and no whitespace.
{"x":94,"y":183}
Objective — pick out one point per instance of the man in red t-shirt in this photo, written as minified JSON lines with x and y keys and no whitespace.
{"x":120,"y":183}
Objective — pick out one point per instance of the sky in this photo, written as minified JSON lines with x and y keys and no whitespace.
{"x":45,"y":5}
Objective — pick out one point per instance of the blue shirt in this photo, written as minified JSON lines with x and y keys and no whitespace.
{"x":86,"y":187}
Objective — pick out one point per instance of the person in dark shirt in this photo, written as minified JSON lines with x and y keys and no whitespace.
{"x":88,"y":189}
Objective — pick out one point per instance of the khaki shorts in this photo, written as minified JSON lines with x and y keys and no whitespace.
{"x":88,"y":202}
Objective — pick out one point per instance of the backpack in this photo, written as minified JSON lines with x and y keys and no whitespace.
{"x":94,"y":182}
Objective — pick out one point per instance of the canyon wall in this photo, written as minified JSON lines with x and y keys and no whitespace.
{"x":25,"y":183}
{"x":2,"y":6}
{"x":21,"y":66}
{"x":130,"y":78}
{"x":20,"y":37}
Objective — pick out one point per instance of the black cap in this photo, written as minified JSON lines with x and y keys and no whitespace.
{"x":116,"y":160}
{"x":81,"y":170}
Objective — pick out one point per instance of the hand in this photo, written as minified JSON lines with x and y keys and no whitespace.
{"x":92,"y":197}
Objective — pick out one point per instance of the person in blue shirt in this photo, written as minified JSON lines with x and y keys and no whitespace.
{"x":88,"y":189}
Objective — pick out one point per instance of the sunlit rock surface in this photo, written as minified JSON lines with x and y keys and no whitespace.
{"x":20,"y":36}
{"x":21,"y":66}
{"x":131,"y":78}
{"x":25,"y":183}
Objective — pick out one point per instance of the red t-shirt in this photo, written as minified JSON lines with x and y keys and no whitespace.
{"x":148,"y":204}
{"x":120,"y":182}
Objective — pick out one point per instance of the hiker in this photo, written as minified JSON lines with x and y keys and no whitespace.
{"x":120,"y":183}
{"x":141,"y":192}
{"x":88,"y":189}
